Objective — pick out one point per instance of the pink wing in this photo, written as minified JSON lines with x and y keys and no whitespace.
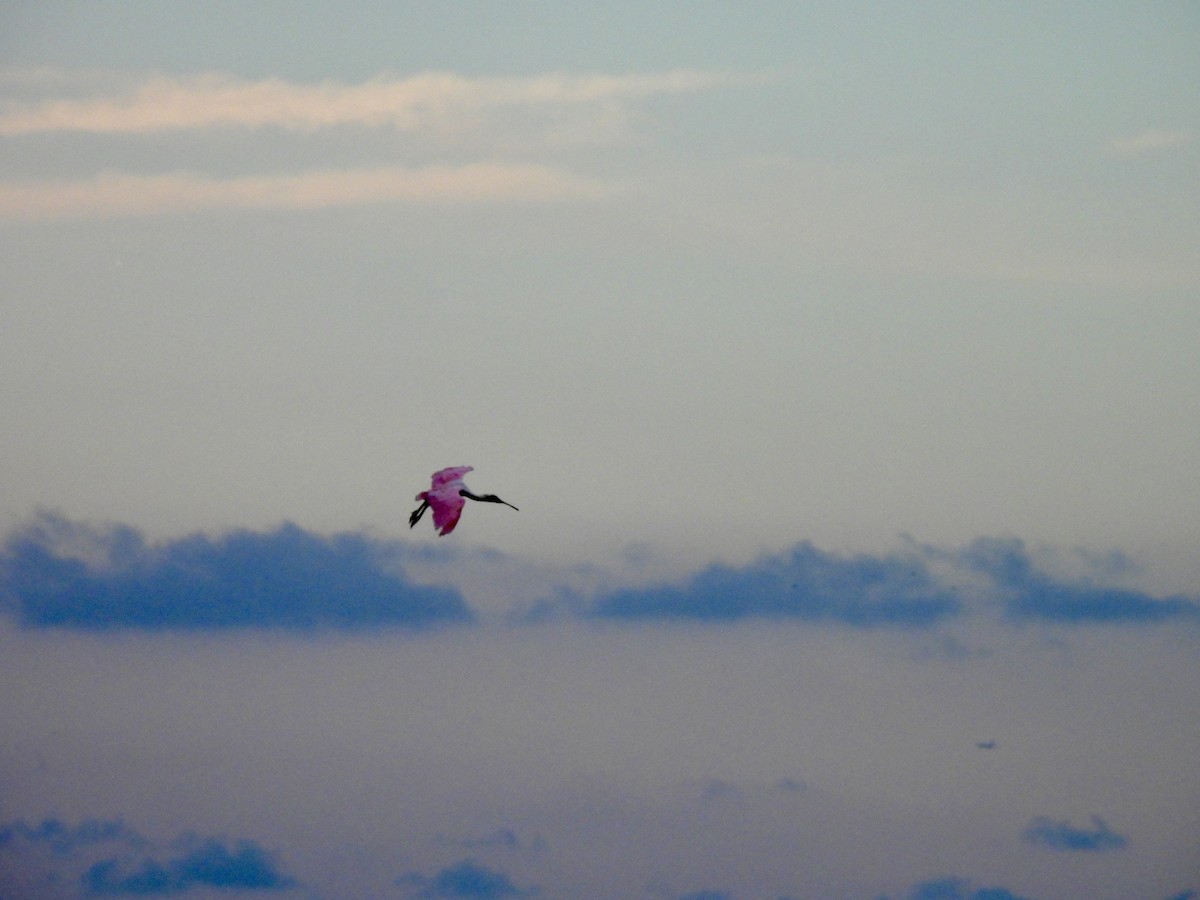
{"x":443,"y":496}
{"x":447,"y":507}
{"x":452,"y":474}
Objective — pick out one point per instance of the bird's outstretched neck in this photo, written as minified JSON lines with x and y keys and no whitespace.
{"x":483,"y":498}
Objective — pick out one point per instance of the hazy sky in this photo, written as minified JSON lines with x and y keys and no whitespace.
{"x":841,"y":358}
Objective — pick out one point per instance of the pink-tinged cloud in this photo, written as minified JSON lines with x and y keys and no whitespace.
{"x":118,"y":194}
{"x":428,"y":101}
{"x":1148,"y":142}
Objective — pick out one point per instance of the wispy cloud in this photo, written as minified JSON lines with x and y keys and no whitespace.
{"x":1065,"y":836}
{"x":1148,"y":142}
{"x":118,"y":194}
{"x":63,"y":838}
{"x":466,"y":139}
{"x":427,"y":101}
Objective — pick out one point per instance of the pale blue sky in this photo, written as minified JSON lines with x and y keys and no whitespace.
{"x":691,"y":285}
{"x":927,"y":270}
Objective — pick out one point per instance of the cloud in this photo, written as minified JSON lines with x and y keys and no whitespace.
{"x":717,"y":788}
{"x":63,"y":839}
{"x":464,"y":879}
{"x":1028,"y":593}
{"x":115,"y":194}
{"x":57,"y":573}
{"x":429,"y":101}
{"x":130,"y":864}
{"x":200,"y":862}
{"x":1066,"y":837}
{"x":805,"y":584}
{"x":1148,"y":142}
{"x":920,"y":588}
{"x":959,"y":889}
{"x":467,"y":139}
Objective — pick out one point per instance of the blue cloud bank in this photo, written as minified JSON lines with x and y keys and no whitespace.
{"x":56,"y":573}
{"x":207,"y":863}
{"x":805,"y":584}
{"x":895,"y":591}
{"x":1030,"y":594}
{"x":118,"y":861}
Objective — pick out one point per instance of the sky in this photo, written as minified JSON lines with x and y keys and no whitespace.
{"x":839,"y":357}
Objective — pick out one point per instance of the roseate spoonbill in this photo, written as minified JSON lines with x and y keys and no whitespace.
{"x":448,"y":495}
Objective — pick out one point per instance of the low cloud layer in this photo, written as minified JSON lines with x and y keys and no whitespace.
{"x":805,"y":584}
{"x":920,"y":588}
{"x":55,"y":573}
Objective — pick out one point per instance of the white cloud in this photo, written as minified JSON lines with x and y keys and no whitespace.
{"x":119,"y":194}
{"x":1147,"y":142}
{"x":482,"y":118}
{"x":430,"y":100}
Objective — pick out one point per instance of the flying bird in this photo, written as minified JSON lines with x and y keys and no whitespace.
{"x":448,"y":495}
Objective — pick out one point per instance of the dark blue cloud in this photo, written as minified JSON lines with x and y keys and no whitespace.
{"x":804,"y":584}
{"x":959,"y":889}
{"x":200,"y":862}
{"x":1031,"y":594}
{"x":465,"y":879}
{"x":1066,"y":837}
{"x":57,"y":573}
{"x":109,"y":858}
